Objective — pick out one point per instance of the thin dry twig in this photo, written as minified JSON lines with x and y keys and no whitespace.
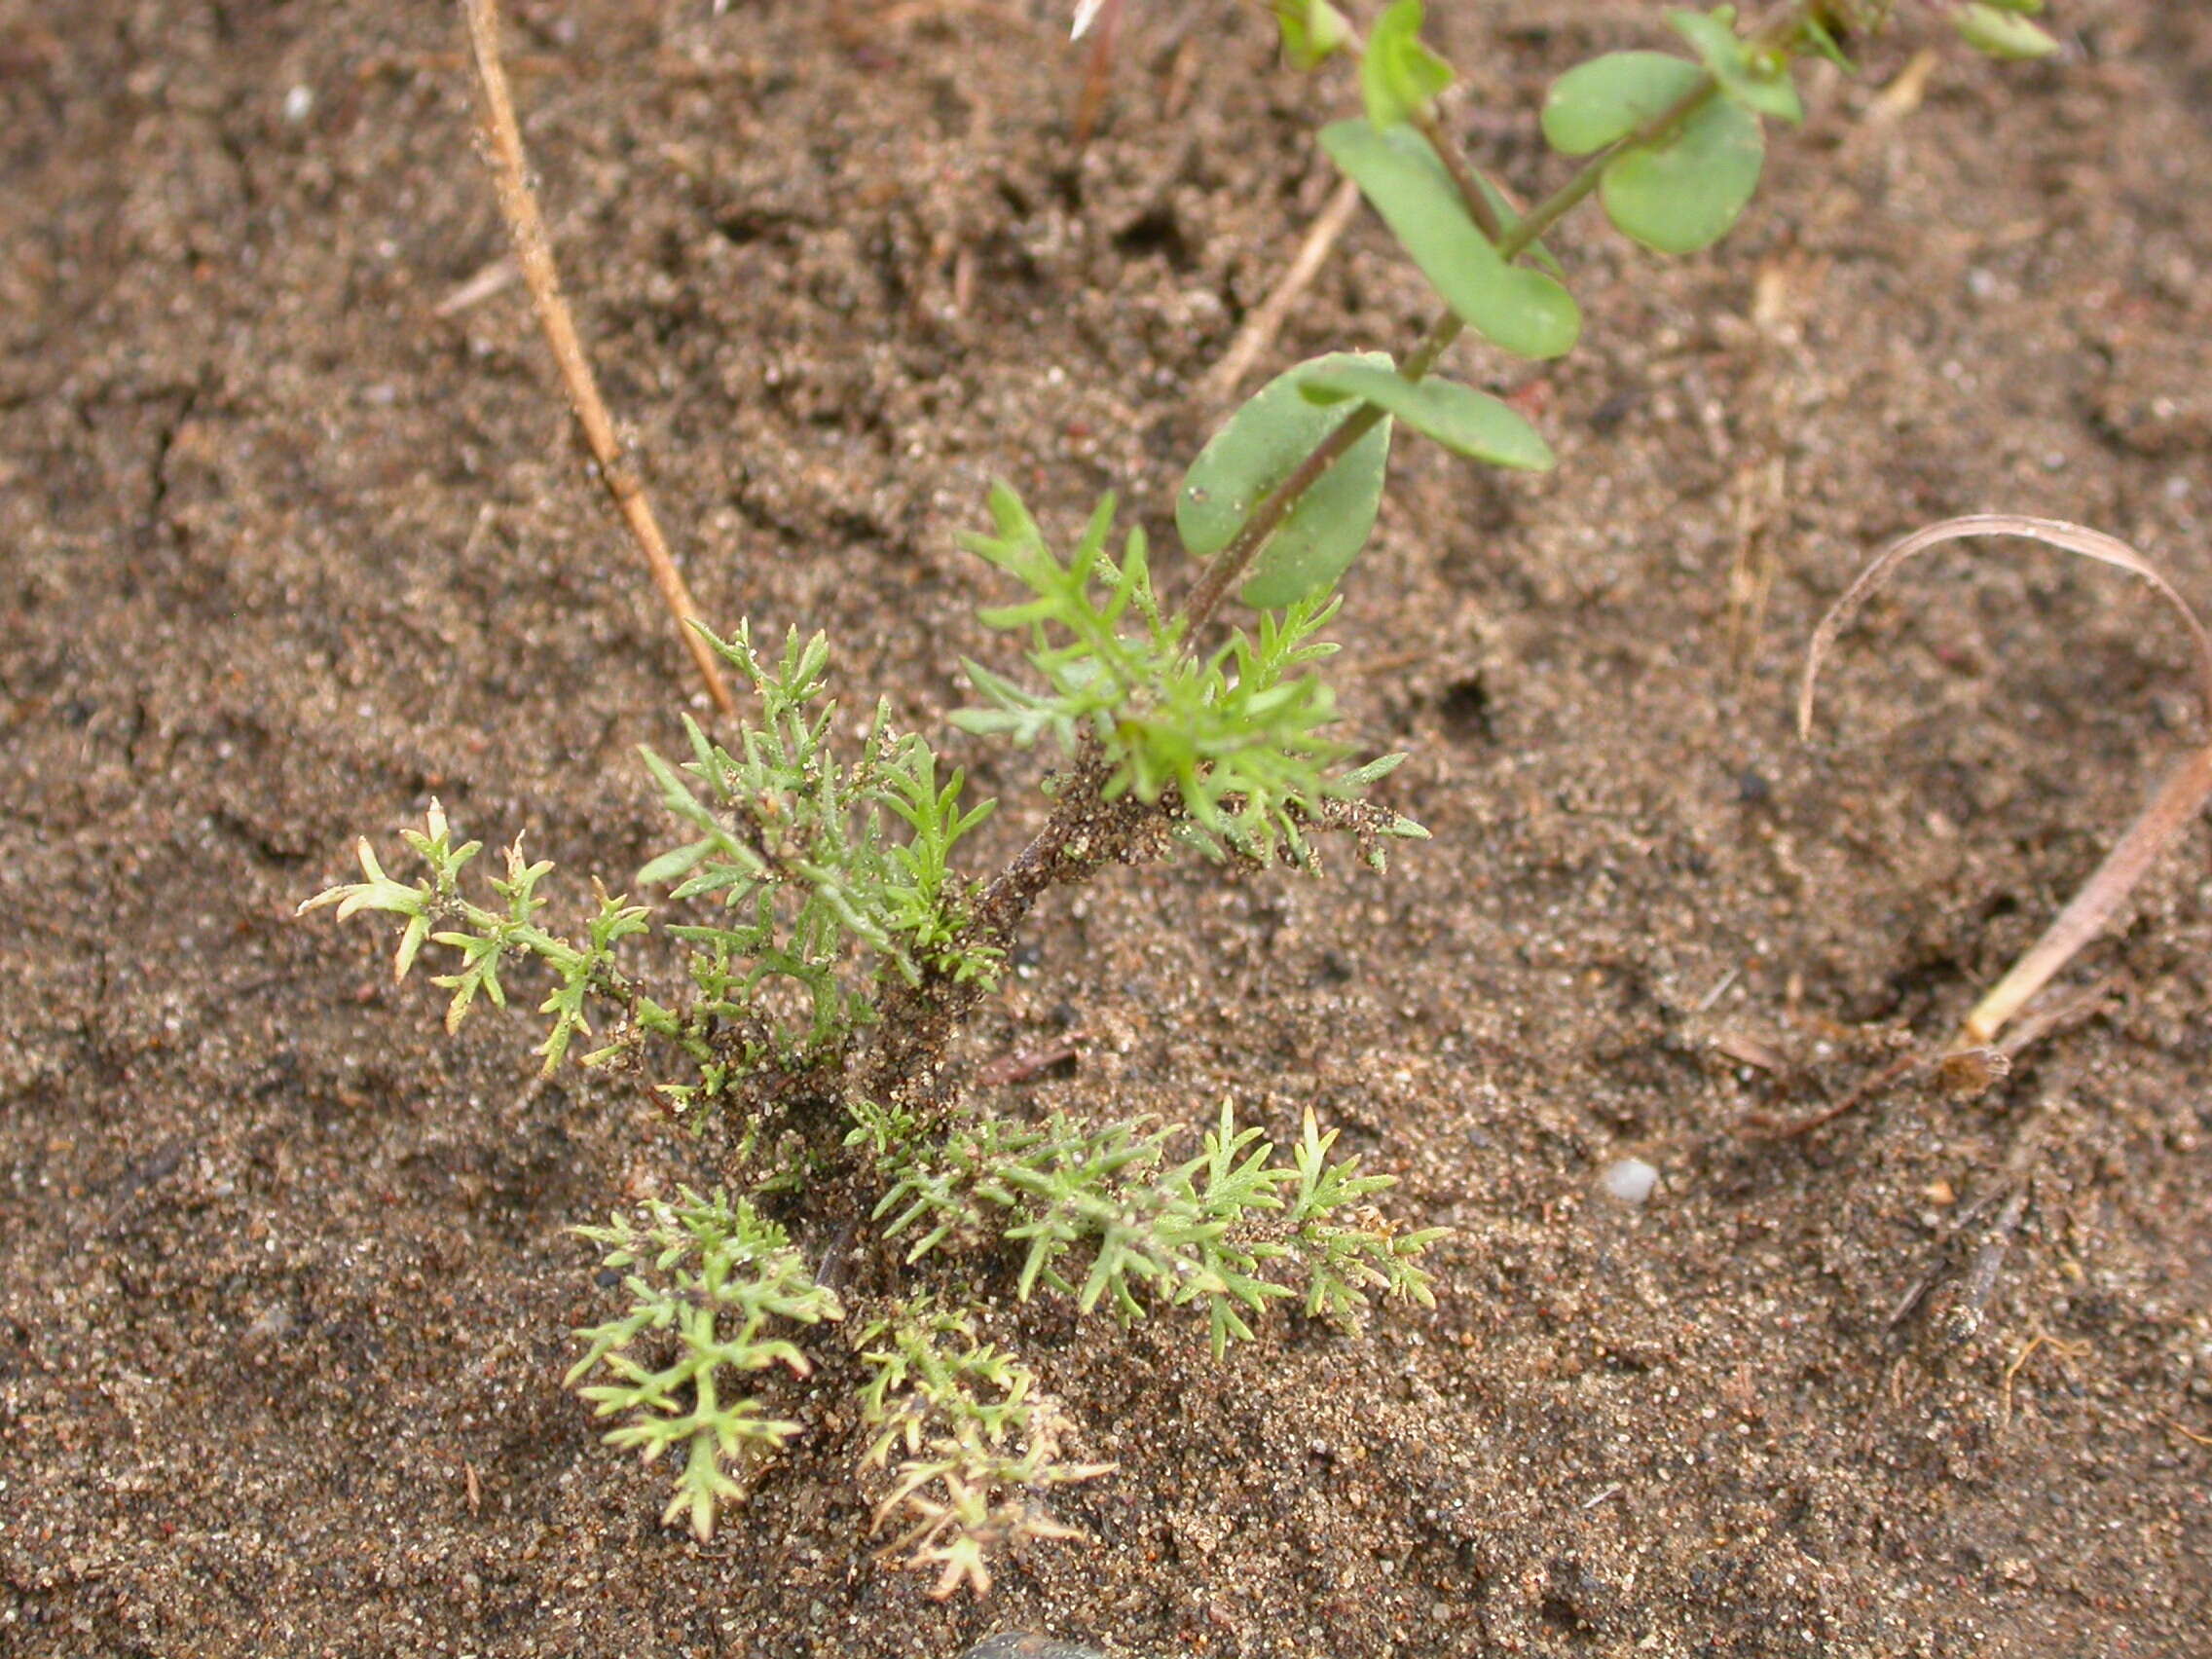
{"x":1967,"y":1307}
{"x":2061,"y":1014}
{"x":2178,"y":801}
{"x":1771,"y":1126}
{"x":1902,"y":95}
{"x":496,"y":277}
{"x":1266,"y":318}
{"x":1022,"y":1066}
{"x":534,"y":252}
{"x":1988,"y":1262}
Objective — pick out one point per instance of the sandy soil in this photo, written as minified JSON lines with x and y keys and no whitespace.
{"x":288,"y":546}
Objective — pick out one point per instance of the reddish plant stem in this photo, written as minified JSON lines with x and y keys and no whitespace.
{"x":534,"y":253}
{"x":1085,"y":833}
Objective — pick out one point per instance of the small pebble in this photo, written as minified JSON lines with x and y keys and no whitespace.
{"x":1022,"y":1645}
{"x":1631,"y":1180}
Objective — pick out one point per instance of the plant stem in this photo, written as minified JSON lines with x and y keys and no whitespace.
{"x":1085,"y":833}
{"x":1472,"y":196}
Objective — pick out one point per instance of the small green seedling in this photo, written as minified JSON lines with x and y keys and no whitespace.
{"x":831,"y":943}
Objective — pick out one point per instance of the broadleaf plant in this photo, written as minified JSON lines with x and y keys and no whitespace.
{"x":1759,"y":82}
{"x":1464,"y":421}
{"x":831,"y":945}
{"x":1259,"y":447}
{"x":1523,"y":312}
{"x":1682,"y":192}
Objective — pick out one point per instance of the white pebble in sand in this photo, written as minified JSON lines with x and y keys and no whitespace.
{"x":1631,"y":1180}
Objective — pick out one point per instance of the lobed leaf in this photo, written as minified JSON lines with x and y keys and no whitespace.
{"x":715,"y":1272}
{"x":1189,"y":1236}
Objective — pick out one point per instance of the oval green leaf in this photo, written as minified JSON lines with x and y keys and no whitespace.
{"x":1684,"y":194}
{"x":1676,"y":197}
{"x":1609,"y":98}
{"x":1461,"y":419}
{"x":1261,"y":446}
{"x":1525,"y":312}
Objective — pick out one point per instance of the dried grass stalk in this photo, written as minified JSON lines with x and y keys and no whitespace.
{"x":2179,"y":800}
{"x":1266,"y":321}
{"x":534,"y":252}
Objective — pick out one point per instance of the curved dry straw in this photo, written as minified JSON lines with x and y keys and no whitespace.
{"x":2179,"y":800}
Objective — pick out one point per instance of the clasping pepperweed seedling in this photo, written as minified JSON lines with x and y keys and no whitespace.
{"x":832,"y":944}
